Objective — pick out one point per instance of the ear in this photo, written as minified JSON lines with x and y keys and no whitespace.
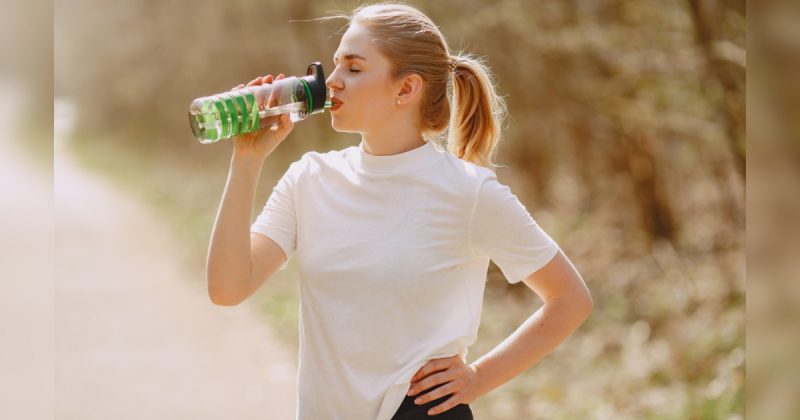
{"x":410,"y":88}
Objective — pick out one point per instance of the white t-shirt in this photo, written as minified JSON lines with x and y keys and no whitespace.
{"x":393,"y":253}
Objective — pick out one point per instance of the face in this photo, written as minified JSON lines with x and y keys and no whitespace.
{"x":361,"y":82}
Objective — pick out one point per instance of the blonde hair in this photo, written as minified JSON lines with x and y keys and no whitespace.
{"x":459,"y":92}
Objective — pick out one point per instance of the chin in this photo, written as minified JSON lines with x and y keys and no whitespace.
{"x":341,"y":128}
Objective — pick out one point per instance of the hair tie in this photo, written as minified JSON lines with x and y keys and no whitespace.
{"x":452,"y":63}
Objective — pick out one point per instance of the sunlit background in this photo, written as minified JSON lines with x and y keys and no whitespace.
{"x":626,"y":141}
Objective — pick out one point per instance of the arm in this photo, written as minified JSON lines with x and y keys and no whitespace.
{"x":503,"y":229}
{"x":239,"y":261}
{"x":567,"y":304}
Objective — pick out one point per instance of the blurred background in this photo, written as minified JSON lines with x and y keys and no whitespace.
{"x":773,"y":233}
{"x":626,"y":141}
{"x":26,"y":214}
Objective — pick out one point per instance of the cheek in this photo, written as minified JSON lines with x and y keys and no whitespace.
{"x":373,"y":97}
{"x":369,"y":103}
{"x":377,"y":111}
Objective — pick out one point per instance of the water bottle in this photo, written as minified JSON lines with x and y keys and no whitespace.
{"x":245,"y":110}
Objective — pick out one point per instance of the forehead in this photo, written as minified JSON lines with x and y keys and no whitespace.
{"x":357,"y":40}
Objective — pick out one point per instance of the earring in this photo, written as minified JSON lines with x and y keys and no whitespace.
{"x":398,"y":101}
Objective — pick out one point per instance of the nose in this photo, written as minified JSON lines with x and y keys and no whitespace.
{"x":333,"y":81}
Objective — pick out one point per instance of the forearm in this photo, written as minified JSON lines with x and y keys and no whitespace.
{"x":229,"y":251}
{"x":539,"y":335}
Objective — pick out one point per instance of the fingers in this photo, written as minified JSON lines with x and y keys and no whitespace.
{"x":260,"y":80}
{"x":440,"y":377}
{"x":275,"y":125}
{"x":255,"y":82}
{"x":434,"y":365}
{"x":448,"y":404}
{"x":442,"y":391}
{"x":429,"y":382}
{"x":280,"y":122}
{"x":263,"y":79}
{"x":277,"y":122}
{"x":275,"y":94}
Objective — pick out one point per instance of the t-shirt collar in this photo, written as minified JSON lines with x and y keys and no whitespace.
{"x":405,"y":161}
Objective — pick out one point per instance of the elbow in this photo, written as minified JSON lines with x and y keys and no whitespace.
{"x":579,"y":304}
{"x":221,"y":297}
{"x":223,"y":289}
{"x":586,"y":304}
{"x":223,"y":301}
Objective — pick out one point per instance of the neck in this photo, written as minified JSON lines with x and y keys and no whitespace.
{"x":392,"y":140}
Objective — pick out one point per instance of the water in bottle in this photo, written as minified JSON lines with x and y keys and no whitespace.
{"x":246,"y":110}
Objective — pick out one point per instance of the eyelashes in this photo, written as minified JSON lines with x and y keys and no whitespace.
{"x":350,"y":70}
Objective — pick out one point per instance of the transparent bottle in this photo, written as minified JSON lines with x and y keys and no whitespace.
{"x":245,"y":110}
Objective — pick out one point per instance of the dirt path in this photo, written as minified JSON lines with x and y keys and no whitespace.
{"x":136,"y":336}
{"x":26,"y":303}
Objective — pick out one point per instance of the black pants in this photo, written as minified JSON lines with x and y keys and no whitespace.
{"x":410,"y":411}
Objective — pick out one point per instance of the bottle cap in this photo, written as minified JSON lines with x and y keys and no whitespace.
{"x":315,"y":79}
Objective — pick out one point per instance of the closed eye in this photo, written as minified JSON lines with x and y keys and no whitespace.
{"x":354,"y":71}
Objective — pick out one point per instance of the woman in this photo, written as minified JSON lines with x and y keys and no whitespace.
{"x":394,"y":236}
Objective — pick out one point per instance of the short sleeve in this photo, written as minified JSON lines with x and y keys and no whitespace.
{"x":502,"y":229}
{"x":278,"y":218}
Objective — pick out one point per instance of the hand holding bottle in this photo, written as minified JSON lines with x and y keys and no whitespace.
{"x":263,"y":141}
{"x":261,"y":108}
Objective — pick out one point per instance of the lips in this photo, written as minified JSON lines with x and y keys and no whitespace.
{"x":336,"y":104}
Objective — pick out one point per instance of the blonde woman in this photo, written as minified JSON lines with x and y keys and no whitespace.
{"x":394,"y":236}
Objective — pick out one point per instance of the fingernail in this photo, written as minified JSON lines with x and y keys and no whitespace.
{"x":418,"y":401}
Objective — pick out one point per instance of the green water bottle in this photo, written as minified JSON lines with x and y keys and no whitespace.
{"x":245,"y":110}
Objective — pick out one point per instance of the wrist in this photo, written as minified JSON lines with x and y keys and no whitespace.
{"x":249,"y":159}
{"x":480,"y":379}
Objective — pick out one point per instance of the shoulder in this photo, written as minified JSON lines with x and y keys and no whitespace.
{"x":468,"y":174}
{"x":479,"y":183}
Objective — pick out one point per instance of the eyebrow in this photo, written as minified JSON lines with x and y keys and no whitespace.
{"x":350,"y":57}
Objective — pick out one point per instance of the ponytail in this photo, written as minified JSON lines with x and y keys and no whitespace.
{"x":478,"y":112}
